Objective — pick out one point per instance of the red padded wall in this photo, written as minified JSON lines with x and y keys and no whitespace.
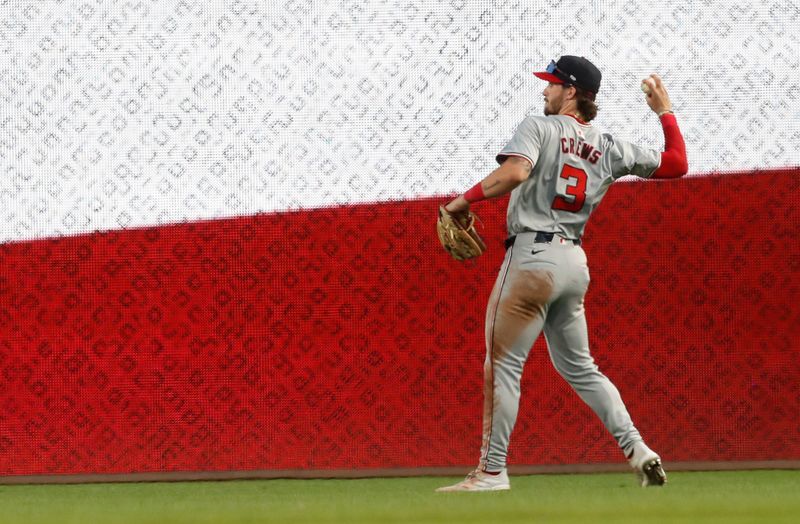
{"x":346,"y":338}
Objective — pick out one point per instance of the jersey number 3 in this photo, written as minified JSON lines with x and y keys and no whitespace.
{"x":576,"y":189}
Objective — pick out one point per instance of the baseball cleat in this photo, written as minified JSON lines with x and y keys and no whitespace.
{"x":653,"y":474}
{"x":480,"y":481}
{"x":647,"y":465}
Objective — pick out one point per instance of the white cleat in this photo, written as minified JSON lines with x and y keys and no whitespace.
{"x":480,"y":481}
{"x":647,"y":465}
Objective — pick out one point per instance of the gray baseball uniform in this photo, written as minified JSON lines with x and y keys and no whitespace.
{"x":544,"y":277}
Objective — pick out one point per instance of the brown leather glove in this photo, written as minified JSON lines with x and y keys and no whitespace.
{"x":458,"y":235}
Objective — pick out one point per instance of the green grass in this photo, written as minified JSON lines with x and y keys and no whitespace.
{"x":765,"y":497}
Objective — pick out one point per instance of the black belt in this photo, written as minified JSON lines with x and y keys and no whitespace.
{"x":542,"y":237}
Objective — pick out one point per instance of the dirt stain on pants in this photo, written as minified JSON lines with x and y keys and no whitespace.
{"x":515,"y":317}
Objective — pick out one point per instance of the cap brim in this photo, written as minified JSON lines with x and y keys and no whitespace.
{"x":549,"y":77}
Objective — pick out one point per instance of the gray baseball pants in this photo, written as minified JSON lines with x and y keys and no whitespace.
{"x":541,"y":286}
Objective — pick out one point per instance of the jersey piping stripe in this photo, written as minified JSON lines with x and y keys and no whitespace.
{"x":579,"y":121}
{"x":660,"y":160}
{"x":490,"y":400}
{"x":520,"y":155}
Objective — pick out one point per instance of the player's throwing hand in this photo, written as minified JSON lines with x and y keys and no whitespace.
{"x":656,"y":95}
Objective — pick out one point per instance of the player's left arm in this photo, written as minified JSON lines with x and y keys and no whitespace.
{"x":512,"y":172}
{"x":673,"y":160}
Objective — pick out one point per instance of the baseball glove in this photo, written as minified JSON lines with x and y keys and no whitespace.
{"x":458,"y":235}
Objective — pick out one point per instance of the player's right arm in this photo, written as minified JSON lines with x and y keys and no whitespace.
{"x":673,"y":160}
{"x":516,"y":163}
{"x":512,"y":172}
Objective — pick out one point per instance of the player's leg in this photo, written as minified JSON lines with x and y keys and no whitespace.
{"x":514,"y":319}
{"x":568,"y":344}
{"x":513,"y":323}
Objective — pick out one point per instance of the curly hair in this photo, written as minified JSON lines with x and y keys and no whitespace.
{"x":585,"y":102}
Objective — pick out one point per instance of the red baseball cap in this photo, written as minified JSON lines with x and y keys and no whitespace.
{"x":573,"y":70}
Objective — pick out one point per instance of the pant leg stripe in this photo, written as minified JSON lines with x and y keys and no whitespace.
{"x":485,"y":456}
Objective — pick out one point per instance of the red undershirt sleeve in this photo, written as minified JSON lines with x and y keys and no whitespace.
{"x":673,"y":160}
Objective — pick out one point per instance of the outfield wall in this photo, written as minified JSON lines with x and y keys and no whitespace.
{"x":345,"y":338}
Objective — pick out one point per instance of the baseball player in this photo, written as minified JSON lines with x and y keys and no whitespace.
{"x":558,"y":167}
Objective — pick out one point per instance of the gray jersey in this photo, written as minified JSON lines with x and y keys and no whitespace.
{"x":573,"y":166}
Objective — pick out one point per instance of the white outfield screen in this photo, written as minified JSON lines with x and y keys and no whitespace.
{"x":125,"y":114}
